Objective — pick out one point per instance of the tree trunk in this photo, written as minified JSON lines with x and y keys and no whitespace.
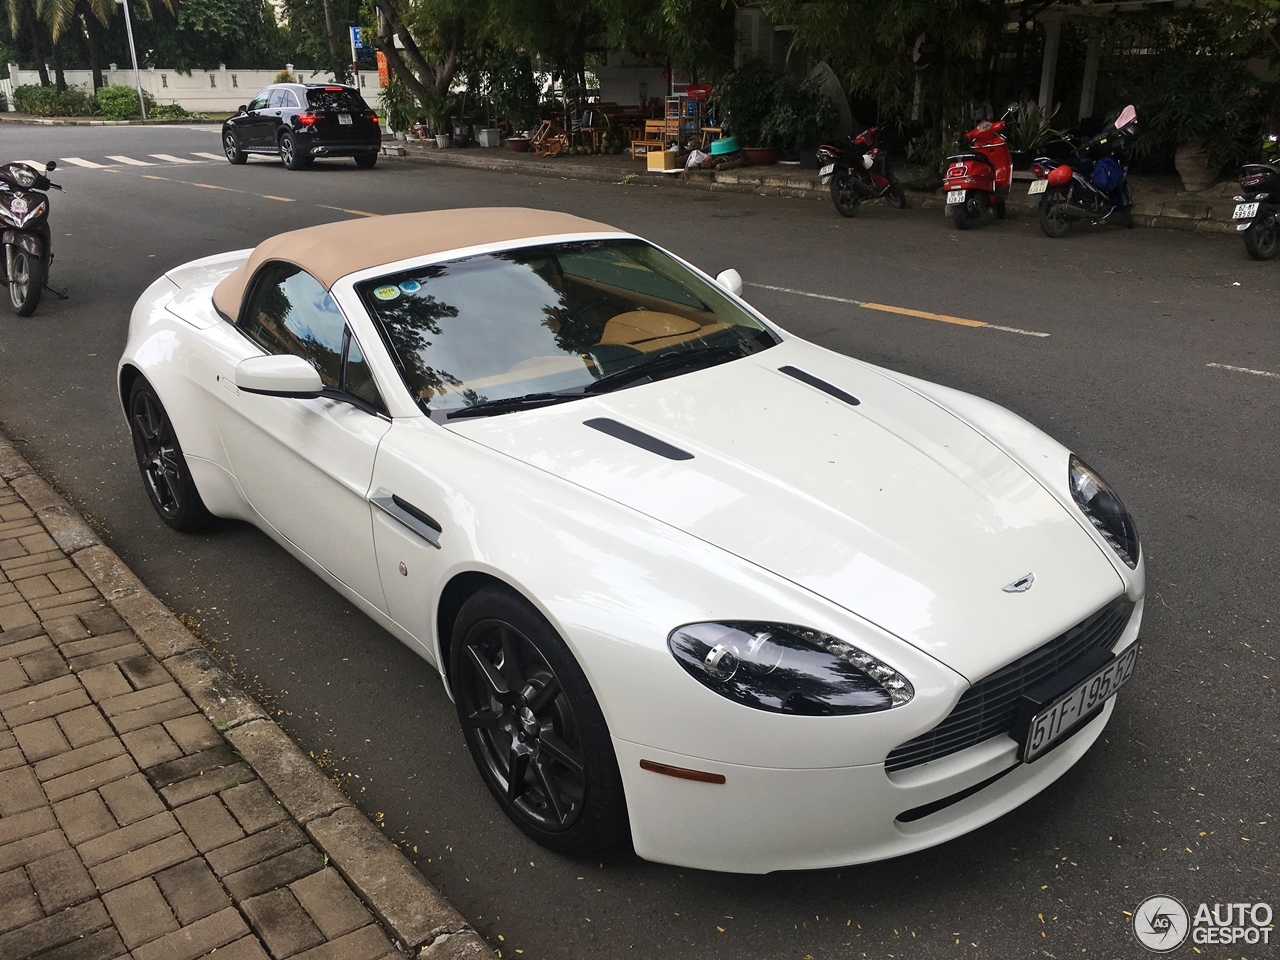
{"x":59,"y":75}
{"x":94,"y":30}
{"x":37,"y":43}
{"x":337,"y":63}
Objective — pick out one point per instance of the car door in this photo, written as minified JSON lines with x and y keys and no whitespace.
{"x":250,"y":127}
{"x":305,"y":465}
{"x":276,"y":116}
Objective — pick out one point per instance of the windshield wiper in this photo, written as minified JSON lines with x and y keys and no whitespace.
{"x":666,"y":363}
{"x":506,"y":404}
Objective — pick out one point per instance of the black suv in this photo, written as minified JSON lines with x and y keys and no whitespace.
{"x":302,"y":121}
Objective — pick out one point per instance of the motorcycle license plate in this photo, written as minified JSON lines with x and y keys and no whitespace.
{"x":1246,"y":211}
{"x":826,"y":171}
{"x":955,"y":196}
{"x":344,"y":119}
{"x":1037,"y":186}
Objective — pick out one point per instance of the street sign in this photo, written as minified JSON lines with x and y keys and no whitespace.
{"x":361,"y":50}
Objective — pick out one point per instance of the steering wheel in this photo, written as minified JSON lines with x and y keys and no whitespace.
{"x":573,"y":315}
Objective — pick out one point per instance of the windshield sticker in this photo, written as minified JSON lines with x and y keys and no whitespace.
{"x":387,"y":293}
{"x":410,"y":287}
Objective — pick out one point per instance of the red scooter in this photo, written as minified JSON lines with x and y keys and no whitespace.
{"x":980,"y":179}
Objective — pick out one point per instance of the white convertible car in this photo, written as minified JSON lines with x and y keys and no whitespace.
{"x":688,"y":578}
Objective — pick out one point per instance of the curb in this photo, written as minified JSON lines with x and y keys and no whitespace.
{"x":86,"y":122}
{"x":413,"y":912}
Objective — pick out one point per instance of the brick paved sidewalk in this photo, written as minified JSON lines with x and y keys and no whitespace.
{"x":130,"y":826}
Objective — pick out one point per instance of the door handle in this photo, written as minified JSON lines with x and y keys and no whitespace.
{"x":409,"y":516}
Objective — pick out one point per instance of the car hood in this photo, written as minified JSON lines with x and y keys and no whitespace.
{"x":894,"y":509}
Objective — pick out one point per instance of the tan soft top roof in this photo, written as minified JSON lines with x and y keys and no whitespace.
{"x":333,"y":250}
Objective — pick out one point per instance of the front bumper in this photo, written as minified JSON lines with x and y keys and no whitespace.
{"x":765,"y":819}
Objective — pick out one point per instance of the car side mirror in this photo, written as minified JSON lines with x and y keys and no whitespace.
{"x":242,"y":109}
{"x":51,"y":165}
{"x":282,"y":375}
{"x":731,"y":280}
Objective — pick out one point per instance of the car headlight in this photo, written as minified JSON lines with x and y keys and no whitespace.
{"x":787,"y":669}
{"x":1104,"y":510}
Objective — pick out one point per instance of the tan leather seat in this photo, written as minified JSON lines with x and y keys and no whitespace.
{"x":649,"y":330}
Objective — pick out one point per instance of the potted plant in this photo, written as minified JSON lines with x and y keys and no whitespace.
{"x":399,"y":106}
{"x":1030,"y":133}
{"x":436,"y":111}
{"x":743,"y":101}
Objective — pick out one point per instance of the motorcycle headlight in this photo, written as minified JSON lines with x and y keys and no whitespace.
{"x":23,"y":175}
{"x":787,"y":669}
{"x":1104,"y":510}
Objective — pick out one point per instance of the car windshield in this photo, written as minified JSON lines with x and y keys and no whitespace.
{"x":519,"y":328}
{"x":335,"y":98}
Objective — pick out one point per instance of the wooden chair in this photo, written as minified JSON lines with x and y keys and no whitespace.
{"x":549,"y":140}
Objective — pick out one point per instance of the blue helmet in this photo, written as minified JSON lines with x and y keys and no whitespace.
{"x":1107,"y":173}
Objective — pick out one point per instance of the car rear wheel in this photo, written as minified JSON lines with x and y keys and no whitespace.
{"x":165,"y":474}
{"x":231,"y":147}
{"x":366,"y":160}
{"x":533,"y":725}
{"x":291,"y":154}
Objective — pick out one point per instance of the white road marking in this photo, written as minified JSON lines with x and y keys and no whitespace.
{"x":131,"y":162}
{"x":33,"y":164}
{"x":208,"y":156}
{"x":1256,"y":373}
{"x":170,"y":158}
{"x":77,"y":161}
{"x":942,"y":318}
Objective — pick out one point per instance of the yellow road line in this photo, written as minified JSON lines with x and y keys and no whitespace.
{"x":924,"y":315}
{"x":148,"y":176}
{"x":267,"y":196}
{"x":209,"y":186}
{"x":360,"y":213}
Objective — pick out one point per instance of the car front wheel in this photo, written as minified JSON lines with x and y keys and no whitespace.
{"x":231,"y":147}
{"x":533,"y":725}
{"x":165,"y":474}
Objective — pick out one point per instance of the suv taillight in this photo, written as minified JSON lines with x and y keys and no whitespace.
{"x":371,"y":116}
{"x":308,"y":119}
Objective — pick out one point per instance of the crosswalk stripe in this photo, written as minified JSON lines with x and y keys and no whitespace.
{"x":83,"y":163}
{"x":170,"y":158}
{"x":208,"y":156}
{"x":132,"y":162}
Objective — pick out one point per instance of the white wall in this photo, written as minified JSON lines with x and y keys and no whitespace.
{"x":211,"y":91}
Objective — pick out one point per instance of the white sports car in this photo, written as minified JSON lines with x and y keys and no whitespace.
{"x":687,"y":577}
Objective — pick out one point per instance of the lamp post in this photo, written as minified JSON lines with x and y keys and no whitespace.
{"x":133,"y":52}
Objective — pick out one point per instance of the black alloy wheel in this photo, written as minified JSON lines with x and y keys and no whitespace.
{"x":1053,"y":216}
{"x":231,"y":147}
{"x":1262,"y":239}
{"x":165,"y":474}
{"x":533,"y":726}
{"x":291,"y":154}
{"x":366,"y":161}
{"x":26,"y":281}
{"x":844,"y":196}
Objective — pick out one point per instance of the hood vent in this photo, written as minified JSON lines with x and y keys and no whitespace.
{"x":637,"y":438}
{"x":820,"y":384}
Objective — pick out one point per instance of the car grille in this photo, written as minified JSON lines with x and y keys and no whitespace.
{"x":989,"y":707}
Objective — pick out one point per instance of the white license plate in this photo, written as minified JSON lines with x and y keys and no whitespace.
{"x":1245,"y":211}
{"x":826,"y":171}
{"x":1061,"y":717}
{"x":955,"y":196}
{"x":1037,"y":186}
{"x":344,"y":119}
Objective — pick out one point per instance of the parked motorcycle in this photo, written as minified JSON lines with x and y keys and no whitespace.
{"x":24,"y":232}
{"x":979,"y":180}
{"x":1257,"y":211}
{"x":1094,"y":186}
{"x":858,"y":170}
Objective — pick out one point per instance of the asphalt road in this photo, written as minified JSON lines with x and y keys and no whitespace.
{"x":1178,"y":799}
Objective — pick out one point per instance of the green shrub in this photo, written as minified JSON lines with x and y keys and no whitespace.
{"x":172,"y":111}
{"x":50,"y":102}
{"x":4,"y":102}
{"x":118,"y":102}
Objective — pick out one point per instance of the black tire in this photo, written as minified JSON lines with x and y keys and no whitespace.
{"x":1262,"y":239}
{"x":1052,"y":214}
{"x":231,"y":147}
{"x":524,"y":702}
{"x":366,"y":161}
{"x":165,"y":474}
{"x":26,"y":284}
{"x":1124,"y":217}
{"x":1002,"y":210}
{"x":960,"y":214}
{"x":291,"y":154}
{"x":897,"y":199}
{"x":846,"y":199}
